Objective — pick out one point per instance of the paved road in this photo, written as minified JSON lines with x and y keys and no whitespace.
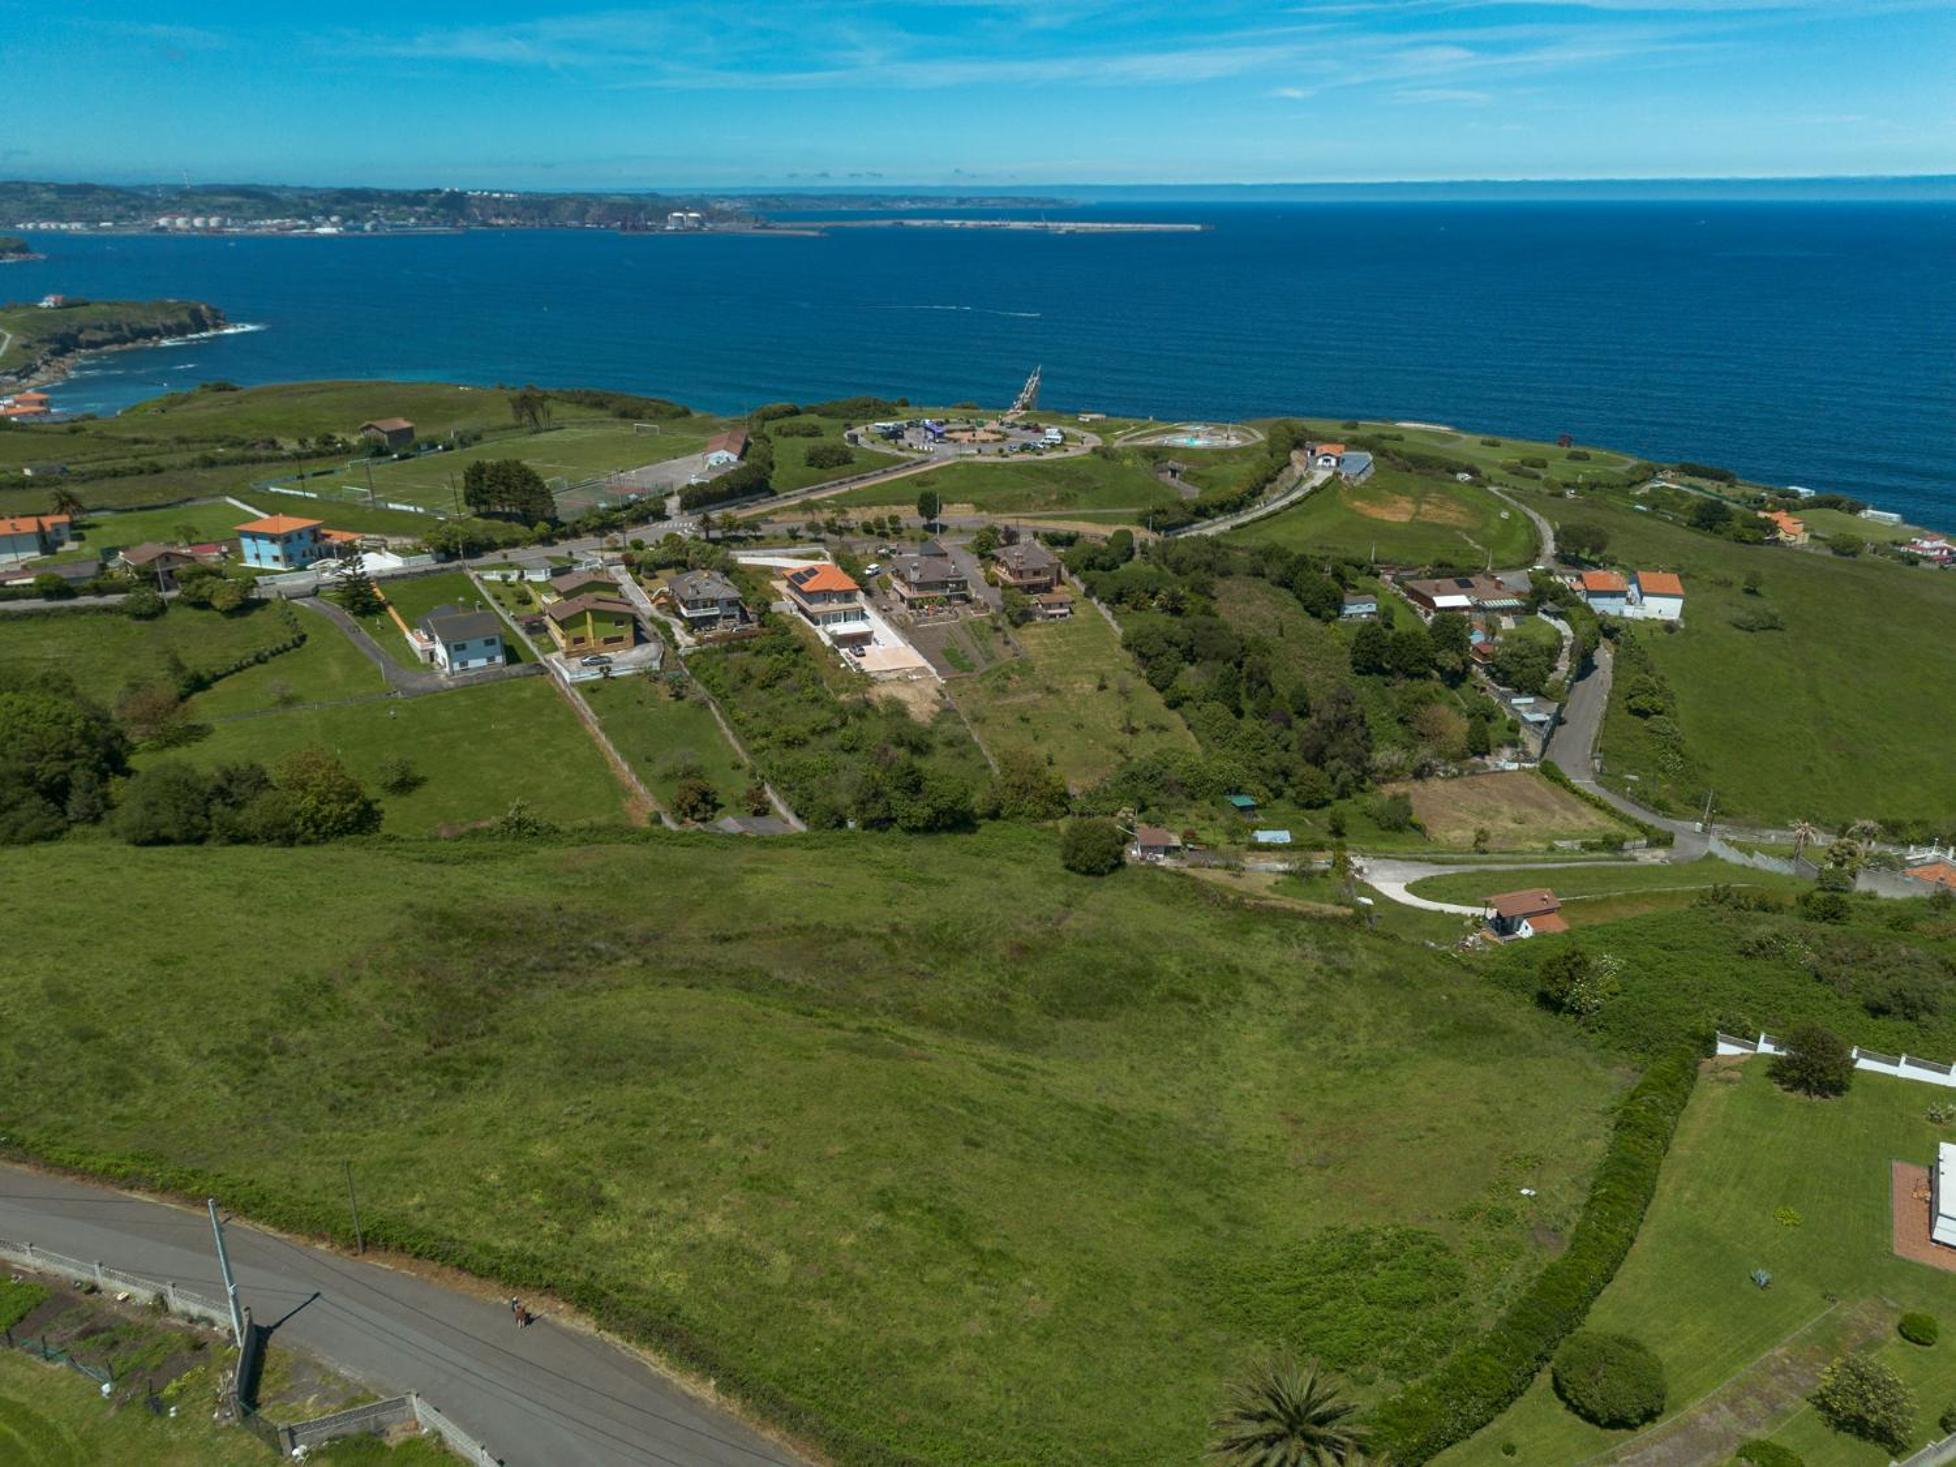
{"x":1390,"y":877}
{"x":1543,"y":529}
{"x":1263,"y":509}
{"x":546,"y":1396}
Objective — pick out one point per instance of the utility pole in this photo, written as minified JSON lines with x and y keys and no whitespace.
{"x":1704,"y":822}
{"x":359,"y":1241}
{"x":230,"y":1281}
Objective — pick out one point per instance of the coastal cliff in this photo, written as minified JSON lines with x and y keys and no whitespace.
{"x":39,"y":344}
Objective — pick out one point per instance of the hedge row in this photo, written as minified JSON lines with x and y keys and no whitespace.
{"x":1483,"y":1378}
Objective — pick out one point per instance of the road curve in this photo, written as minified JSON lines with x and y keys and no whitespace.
{"x":546,"y":1396}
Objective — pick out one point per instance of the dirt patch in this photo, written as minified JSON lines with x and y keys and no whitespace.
{"x":1514,"y":809}
{"x":1393,"y":508}
{"x":919,"y":697}
{"x":1909,"y":1206}
{"x":1441,"y":510}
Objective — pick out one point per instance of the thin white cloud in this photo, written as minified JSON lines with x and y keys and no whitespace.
{"x":1462,"y":95}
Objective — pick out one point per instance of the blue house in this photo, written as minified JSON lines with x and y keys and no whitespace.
{"x":282,"y":542}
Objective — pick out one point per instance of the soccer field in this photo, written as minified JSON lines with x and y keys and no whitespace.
{"x":574,"y":453}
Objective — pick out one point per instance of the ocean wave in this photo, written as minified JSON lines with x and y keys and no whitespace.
{"x":235,"y":330}
{"x":981,"y":310}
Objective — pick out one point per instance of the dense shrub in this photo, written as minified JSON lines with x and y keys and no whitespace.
{"x":1919,"y":1329}
{"x":829,"y":456}
{"x":1863,"y":1397}
{"x":1767,"y":1454}
{"x":1485,"y":1376}
{"x":1092,"y":847}
{"x":1609,"y":1380}
{"x":1816,"y":1061}
{"x":797,"y":428}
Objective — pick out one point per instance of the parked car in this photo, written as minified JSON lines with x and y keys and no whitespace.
{"x":596,"y":659}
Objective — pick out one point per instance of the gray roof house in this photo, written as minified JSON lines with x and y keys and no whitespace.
{"x":929,"y":578}
{"x":463,"y":641}
{"x":1028,"y":565}
{"x":707,"y":600}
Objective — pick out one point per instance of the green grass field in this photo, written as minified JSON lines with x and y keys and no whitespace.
{"x":477,"y":749}
{"x":1606,"y":893}
{"x":1116,"y":485}
{"x":1603,"y":464}
{"x":1400,"y":518}
{"x":668,"y":739}
{"x":1075,"y":699}
{"x":791,"y":467}
{"x":105,"y":651}
{"x":576,"y":452}
{"x":1008,"y":1178}
{"x":180,"y":524}
{"x":1744,"y":1150}
{"x":1837,"y":716}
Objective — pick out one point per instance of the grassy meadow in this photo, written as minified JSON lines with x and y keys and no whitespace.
{"x":1026,"y":1178}
{"x":1744,"y":1151}
{"x":477,"y":750}
{"x":575,"y":451}
{"x":1075,"y":699}
{"x":105,"y":651}
{"x":1118,"y":484}
{"x":1608,"y":892}
{"x":791,"y":467}
{"x":667,"y":739}
{"x":1838,"y":714}
{"x":1401,"y":518}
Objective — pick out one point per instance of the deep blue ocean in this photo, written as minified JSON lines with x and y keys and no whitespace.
{"x":1797,"y":343}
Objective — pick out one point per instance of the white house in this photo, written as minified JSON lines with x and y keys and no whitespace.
{"x":1606,"y":592}
{"x":1327,"y":455}
{"x":723,"y":450}
{"x":1655,"y":596}
{"x":1942,"y":1192}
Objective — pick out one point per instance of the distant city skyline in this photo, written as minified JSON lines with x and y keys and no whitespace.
{"x":1002,"y":95}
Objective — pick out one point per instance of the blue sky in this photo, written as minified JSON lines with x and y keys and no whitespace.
{"x":1011,"y":93}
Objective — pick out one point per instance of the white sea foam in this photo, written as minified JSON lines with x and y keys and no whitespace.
{"x":236,"y":330}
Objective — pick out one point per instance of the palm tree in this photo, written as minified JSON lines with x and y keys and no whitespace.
{"x":1805,"y":832}
{"x":1285,"y":1415}
{"x":1864,"y":831}
{"x":66,"y":501}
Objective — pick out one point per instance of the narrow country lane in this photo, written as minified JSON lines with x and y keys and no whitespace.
{"x":546,"y":1396}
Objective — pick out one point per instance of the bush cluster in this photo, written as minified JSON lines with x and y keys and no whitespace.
{"x":1609,"y":1380}
{"x":1487,"y":1375}
{"x":1919,"y":1329}
{"x":1766,"y":1454}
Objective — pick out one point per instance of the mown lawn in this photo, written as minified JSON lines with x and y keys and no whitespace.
{"x":792,"y":469}
{"x":184,"y":523}
{"x":105,"y":651}
{"x":576,"y":451}
{"x":1603,"y":892}
{"x":668,"y":739}
{"x":478,"y":750}
{"x":1031,"y":486}
{"x":1075,"y":700}
{"x":1838,"y":715}
{"x":1745,"y":1150}
{"x":1399,"y":518}
{"x":1014,"y":1164}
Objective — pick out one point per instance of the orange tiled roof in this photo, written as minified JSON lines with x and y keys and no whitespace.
{"x":1527,"y":904}
{"x":1935,"y":873}
{"x":823,"y":578}
{"x":1602,"y":580}
{"x":276,"y":524}
{"x":1659,"y":583}
{"x":30,"y":524}
{"x":1337,"y":448}
{"x":340,"y":537}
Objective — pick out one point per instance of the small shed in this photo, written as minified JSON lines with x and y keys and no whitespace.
{"x":395,"y":433}
{"x":1153,"y":843}
{"x":1244,"y":803}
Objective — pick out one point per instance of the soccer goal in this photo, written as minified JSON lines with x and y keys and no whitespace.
{"x":652,"y":428}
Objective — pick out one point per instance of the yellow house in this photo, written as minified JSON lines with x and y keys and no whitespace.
{"x":584,"y":624}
